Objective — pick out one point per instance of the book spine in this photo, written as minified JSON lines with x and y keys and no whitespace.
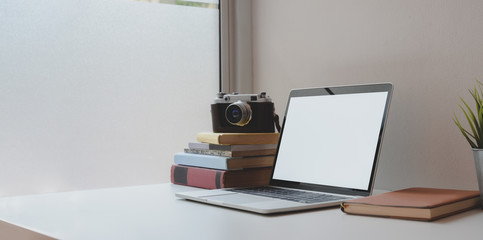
{"x":209,"y":146}
{"x":197,"y":177}
{"x":253,"y":153}
{"x":209,"y":152}
{"x":237,"y":138}
{"x":198,"y":160}
{"x":237,"y":147}
{"x":208,"y":138}
{"x":198,"y":145}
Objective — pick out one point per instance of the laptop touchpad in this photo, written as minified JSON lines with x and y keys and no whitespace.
{"x":236,"y":198}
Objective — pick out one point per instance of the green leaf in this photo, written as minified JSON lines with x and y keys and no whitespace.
{"x":475,"y":121}
{"x":471,"y":121}
{"x":473,"y":117}
{"x":463,"y":131}
{"x":476,"y":97}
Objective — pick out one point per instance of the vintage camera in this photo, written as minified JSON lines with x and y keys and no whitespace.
{"x":247,"y":113}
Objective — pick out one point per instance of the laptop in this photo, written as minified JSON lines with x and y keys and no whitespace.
{"x":327,"y":153}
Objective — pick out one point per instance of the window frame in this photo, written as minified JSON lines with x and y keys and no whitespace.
{"x":236,"y":73}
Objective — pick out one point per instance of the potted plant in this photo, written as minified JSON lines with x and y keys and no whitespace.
{"x":474,"y":135}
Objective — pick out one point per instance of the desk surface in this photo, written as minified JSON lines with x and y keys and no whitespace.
{"x":152,"y":212}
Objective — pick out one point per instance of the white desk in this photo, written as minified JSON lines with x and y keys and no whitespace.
{"x":152,"y":212}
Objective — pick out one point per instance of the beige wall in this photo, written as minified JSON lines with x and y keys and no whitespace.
{"x":431,"y":50}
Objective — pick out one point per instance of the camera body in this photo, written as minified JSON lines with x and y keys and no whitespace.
{"x":242,"y":113}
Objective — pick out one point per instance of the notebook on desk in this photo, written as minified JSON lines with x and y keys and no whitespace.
{"x":328,"y":152}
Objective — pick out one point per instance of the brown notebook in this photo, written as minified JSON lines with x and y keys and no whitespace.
{"x":424,"y":204}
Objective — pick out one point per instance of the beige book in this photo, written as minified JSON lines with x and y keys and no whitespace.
{"x":237,"y":138}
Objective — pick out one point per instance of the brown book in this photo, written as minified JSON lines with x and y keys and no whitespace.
{"x":214,"y":179}
{"x":233,"y":147}
{"x":237,"y":138}
{"x":425,"y":204}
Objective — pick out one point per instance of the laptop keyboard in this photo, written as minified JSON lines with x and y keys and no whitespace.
{"x":289,"y":194}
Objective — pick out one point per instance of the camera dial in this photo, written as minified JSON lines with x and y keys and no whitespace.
{"x":238,"y":113}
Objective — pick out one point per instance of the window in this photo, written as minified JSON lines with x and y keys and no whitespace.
{"x":102,"y":93}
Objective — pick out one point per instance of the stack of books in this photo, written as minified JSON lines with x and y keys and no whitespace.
{"x":224,"y":160}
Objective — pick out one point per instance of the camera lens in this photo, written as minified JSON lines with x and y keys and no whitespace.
{"x":238,"y":113}
{"x":235,"y":113}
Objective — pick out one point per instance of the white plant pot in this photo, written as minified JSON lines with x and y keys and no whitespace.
{"x":478,"y":155}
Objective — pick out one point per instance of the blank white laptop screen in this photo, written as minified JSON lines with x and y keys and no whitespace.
{"x":331,"y":139}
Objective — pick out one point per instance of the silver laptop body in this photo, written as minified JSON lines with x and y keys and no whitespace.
{"x":330,"y":143}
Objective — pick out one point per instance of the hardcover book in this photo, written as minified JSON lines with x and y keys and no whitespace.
{"x":233,"y":147}
{"x":426,"y":204}
{"x":223,"y":163}
{"x":215,"y":179}
{"x":237,"y":138}
{"x":231,"y":153}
